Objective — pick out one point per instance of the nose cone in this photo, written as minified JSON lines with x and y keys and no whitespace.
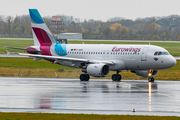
{"x":172,"y":61}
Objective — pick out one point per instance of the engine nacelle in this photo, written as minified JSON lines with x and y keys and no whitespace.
{"x":145,"y":73}
{"x":98,"y":70}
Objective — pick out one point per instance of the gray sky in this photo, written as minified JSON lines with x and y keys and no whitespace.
{"x":93,"y":9}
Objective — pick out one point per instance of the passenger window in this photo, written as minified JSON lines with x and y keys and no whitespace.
{"x":156,"y":53}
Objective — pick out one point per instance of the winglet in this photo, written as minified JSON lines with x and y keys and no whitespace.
{"x":8,"y":53}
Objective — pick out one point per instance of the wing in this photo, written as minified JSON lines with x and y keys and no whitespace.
{"x":56,"y":58}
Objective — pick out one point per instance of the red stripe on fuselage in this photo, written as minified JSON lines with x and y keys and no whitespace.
{"x":44,"y":40}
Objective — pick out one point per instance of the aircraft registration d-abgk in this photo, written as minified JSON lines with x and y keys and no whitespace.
{"x":94,"y":59}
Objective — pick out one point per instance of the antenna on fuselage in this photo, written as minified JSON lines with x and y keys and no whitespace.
{"x":149,"y":43}
{"x":82,"y":42}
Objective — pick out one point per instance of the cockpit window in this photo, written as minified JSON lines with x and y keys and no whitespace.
{"x":165,"y":53}
{"x":161,"y":53}
{"x":156,"y":53}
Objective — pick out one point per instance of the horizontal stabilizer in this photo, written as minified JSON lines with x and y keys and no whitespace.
{"x":24,"y":49}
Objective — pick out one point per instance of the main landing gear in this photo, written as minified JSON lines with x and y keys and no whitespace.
{"x":116,"y":77}
{"x":151,"y":79}
{"x":84,"y":77}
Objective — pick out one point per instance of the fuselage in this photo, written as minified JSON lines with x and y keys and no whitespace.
{"x":125,"y":57}
{"x":97,"y":60}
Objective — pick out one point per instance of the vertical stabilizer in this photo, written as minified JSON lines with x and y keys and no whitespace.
{"x":41,"y":34}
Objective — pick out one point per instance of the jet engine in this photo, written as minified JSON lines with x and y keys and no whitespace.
{"x":97,"y":70}
{"x":145,"y":73}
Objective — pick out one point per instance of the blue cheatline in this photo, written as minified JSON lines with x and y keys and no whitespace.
{"x":35,"y":16}
{"x":60,"y":49}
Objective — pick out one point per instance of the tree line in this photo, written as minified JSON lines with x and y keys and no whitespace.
{"x":117,"y":28}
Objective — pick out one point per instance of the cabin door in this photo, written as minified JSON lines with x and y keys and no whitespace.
{"x":144,"y":54}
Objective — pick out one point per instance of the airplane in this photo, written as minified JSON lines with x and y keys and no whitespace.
{"x":94,"y":59}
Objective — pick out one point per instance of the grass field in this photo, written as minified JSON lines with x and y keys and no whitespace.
{"x":26,"y":67}
{"x":53,"y":116}
{"x":173,"y":48}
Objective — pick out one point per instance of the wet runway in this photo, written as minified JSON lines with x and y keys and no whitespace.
{"x":98,"y":96}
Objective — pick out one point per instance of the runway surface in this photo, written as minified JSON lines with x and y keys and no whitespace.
{"x":98,"y":96}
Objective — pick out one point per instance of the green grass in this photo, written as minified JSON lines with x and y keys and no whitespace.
{"x":14,"y":43}
{"x":14,"y":67}
{"x":173,"y":48}
{"x":28,"y":63}
{"x":54,"y":116}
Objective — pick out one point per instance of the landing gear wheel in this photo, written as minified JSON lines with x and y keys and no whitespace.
{"x":116,"y":77}
{"x":151,"y":79}
{"x":84,"y":77}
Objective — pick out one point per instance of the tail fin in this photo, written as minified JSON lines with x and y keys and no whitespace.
{"x":41,"y":33}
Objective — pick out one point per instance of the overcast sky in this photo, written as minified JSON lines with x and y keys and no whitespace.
{"x":93,"y":9}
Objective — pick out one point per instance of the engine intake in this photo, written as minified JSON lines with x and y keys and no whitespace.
{"x":97,"y":70}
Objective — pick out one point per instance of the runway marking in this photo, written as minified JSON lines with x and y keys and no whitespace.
{"x":148,"y":90}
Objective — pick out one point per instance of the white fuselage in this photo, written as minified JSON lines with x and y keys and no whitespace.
{"x":124,"y":57}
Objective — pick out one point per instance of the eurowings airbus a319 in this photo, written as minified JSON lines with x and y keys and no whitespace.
{"x":96,"y":60}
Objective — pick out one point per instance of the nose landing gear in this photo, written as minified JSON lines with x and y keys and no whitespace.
{"x":151,"y":79}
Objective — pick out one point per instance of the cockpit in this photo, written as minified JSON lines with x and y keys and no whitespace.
{"x":161,"y":53}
